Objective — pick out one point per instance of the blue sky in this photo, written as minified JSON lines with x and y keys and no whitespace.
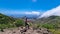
{"x":29,"y":6}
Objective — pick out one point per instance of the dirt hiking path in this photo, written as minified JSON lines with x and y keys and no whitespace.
{"x":26,"y":31}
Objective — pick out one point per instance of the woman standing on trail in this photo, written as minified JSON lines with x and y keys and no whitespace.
{"x":26,"y":24}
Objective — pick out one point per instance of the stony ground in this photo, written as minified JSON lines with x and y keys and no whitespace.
{"x":24,"y":31}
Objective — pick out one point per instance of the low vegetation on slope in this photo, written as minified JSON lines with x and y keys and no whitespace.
{"x":9,"y":22}
{"x":52,"y":23}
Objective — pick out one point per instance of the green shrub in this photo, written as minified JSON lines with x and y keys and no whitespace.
{"x":19,"y":23}
{"x":38,"y":25}
{"x":48,"y":26}
{"x":2,"y":26}
{"x":9,"y":25}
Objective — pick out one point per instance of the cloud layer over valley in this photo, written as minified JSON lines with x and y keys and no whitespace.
{"x":54,"y":11}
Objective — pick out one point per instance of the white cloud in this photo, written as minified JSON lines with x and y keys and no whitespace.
{"x":33,"y":13}
{"x":34,"y":0}
{"x":54,"y":11}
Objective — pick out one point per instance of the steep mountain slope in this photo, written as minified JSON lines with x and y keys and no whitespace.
{"x":52,"y":23}
{"x":51,"y":19}
{"x":6,"y":19}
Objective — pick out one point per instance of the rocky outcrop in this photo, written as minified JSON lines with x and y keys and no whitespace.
{"x":25,"y":31}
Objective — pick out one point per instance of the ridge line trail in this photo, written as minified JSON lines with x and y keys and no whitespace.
{"x":29,"y":31}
